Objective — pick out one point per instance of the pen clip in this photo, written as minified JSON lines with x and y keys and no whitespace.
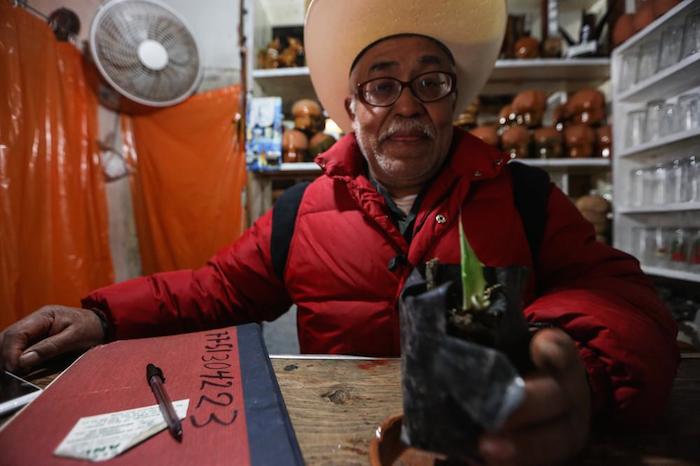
{"x":154,"y":371}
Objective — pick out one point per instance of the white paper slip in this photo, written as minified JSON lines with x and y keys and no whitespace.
{"x":102,"y":437}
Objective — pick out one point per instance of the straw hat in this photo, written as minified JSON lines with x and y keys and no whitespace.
{"x":336,"y":31}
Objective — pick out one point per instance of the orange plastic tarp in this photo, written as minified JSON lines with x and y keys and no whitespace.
{"x":188,"y":181}
{"x":54,"y":244}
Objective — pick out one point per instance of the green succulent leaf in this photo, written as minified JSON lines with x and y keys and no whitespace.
{"x":473,"y":282}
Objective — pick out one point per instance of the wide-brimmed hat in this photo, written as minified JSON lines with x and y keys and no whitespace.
{"x":336,"y":31}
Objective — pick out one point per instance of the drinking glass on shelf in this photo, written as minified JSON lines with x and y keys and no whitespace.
{"x":688,"y":112}
{"x":636,"y":193}
{"x":655,"y":185}
{"x":694,"y":251}
{"x":691,"y":36}
{"x":671,"y":46}
{"x":678,"y":248}
{"x":636,"y":124}
{"x":653,"y":121}
{"x":668,"y":124}
{"x":675,"y":176}
{"x":693,"y":179}
{"x":648,"y":60}
{"x":628,"y":71}
{"x":650,"y":238}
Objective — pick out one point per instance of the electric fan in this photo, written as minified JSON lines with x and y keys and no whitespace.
{"x":145,"y":51}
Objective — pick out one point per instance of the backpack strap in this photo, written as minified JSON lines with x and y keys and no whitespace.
{"x":284,"y":215}
{"x":531,"y":186}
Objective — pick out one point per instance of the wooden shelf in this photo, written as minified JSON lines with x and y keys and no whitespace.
{"x":664,"y":208}
{"x":662,"y":143}
{"x":672,"y":273}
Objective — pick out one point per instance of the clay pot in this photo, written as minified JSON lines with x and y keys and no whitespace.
{"x":587,"y":106}
{"x":579,"y":140}
{"x":644,"y":16}
{"x":527,"y":47}
{"x":320,"y":143}
{"x":604,"y":141}
{"x":662,"y":6}
{"x":530,"y":106}
{"x":623,"y":30}
{"x":295,"y":145}
{"x":547,"y":143}
{"x":488,"y":134}
{"x":516,"y":141}
{"x":506,"y":116}
{"x":306,"y":114}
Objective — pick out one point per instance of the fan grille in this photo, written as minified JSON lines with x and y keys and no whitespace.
{"x":118,"y":34}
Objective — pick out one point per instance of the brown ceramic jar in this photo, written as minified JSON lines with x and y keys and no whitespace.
{"x":295,"y":145}
{"x":579,"y":140}
{"x":604,"y":141}
{"x":547,"y":143}
{"x":623,"y":30}
{"x":587,"y":106}
{"x":306,"y":114}
{"x":516,"y":141}
{"x":527,"y":47}
{"x":530,"y":106}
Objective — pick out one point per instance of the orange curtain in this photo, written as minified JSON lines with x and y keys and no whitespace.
{"x":54,"y":245}
{"x":189,"y":176}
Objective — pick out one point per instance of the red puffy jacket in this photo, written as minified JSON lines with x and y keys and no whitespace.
{"x":337,"y":273}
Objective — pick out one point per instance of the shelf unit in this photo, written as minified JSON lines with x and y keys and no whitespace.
{"x":508,"y":78}
{"x":631,"y":219}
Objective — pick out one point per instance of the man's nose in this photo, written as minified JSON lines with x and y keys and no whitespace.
{"x":408,"y":104}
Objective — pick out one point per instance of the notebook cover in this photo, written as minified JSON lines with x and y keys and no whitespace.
{"x":236,"y":413}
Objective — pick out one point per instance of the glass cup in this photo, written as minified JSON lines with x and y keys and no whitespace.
{"x":648,"y":61}
{"x":668,"y":123}
{"x":694,"y":251}
{"x":655,"y":185}
{"x":691,"y":36}
{"x":678,"y":249}
{"x":653,"y":122}
{"x":628,"y":72}
{"x":675,"y":175}
{"x":671,"y":46}
{"x":693,"y":179}
{"x":636,"y":124}
{"x":636,"y":194}
{"x":688,"y":112}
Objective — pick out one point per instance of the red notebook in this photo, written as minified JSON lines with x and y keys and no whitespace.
{"x":236,"y":413}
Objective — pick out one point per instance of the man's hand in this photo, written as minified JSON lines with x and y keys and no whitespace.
{"x":553,"y":422}
{"x":48,"y":332}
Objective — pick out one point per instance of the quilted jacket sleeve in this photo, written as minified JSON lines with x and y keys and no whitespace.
{"x":600,"y":297}
{"x":237,"y":285}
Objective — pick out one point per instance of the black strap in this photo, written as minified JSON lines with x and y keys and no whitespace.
{"x":284,"y":215}
{"x":531,"y":186}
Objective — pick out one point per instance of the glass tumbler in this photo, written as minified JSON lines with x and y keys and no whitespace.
{"x":691,"y":36}
{"x":655,"y":185}
{"x":675,"y":177}
{"x":636,"y":193}
{"x":688,"y":112}
{"x":636,"y":124}
{"x":648,"y":61}
{"x":678,"y":248}
{"x":668,"y":123}
{"x":694,"y":251}
{"x":693,"y":179}
{"x":671,"y":46}
{"x":653,"y":122}
{"x":628,"y":71}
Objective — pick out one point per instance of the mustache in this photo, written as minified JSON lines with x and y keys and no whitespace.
{"x":407,"y":126}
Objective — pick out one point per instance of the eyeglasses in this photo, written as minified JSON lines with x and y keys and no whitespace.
{"x":426,"y":87}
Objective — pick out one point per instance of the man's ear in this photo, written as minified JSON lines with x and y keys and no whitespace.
{"x":348,"y":108}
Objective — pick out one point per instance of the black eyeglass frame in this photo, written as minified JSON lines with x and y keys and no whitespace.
{"x":406,"y":84}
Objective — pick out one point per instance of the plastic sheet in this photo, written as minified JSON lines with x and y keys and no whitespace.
{"x":189,"y":176}
{"x":54,"y":244}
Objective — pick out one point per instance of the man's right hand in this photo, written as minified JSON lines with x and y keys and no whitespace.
{"x":48,"y":332}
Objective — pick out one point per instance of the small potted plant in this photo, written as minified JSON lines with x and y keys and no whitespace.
{"x":465,"y":345}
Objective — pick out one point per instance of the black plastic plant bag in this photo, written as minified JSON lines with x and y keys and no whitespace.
{"x":456,"y":383}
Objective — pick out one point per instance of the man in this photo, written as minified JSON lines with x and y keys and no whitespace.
{"x":391,"y":196}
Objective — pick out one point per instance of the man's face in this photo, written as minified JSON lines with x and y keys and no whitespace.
{"x":406,"y":143}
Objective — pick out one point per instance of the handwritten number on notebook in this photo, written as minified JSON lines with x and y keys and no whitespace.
{"x":213,"y":417}
{"x":217,"y":395}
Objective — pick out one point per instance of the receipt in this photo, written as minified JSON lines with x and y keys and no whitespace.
{"x":102,"y":437}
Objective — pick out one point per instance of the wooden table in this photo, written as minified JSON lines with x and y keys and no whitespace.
{"x":336,"y":405}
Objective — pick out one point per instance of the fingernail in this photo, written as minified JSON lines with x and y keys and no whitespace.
{"x":496,"y":448}
{"x":29,"y":359}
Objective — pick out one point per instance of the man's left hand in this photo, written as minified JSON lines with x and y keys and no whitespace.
{"x":553,"y":423}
